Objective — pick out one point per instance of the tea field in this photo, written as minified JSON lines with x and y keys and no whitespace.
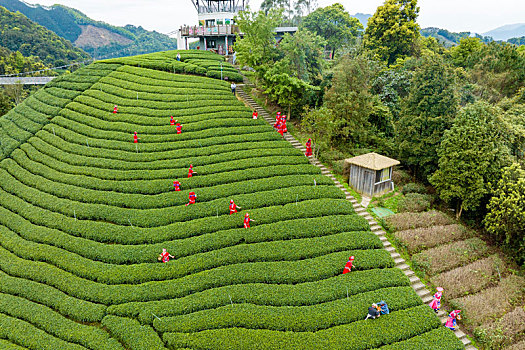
{"x":85,"y":213}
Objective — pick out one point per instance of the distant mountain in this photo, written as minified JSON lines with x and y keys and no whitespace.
{"x":18,"y":33}
{"x":362,"y":17}
{"x":450,"y":38}
{"x":517,"y":41}
{"x":507,"y":31}
{"x":99,"y":39}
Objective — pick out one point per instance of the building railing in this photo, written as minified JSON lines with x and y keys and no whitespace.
{"x":211,"y":30}
{"x":215,"y":9}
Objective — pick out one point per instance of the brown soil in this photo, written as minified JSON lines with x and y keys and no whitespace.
{"x":96,"y":37}
{"x":406,"y":221}
{"x":418,"y":239}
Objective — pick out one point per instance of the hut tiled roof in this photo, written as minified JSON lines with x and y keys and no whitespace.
{"x":373,"y":161}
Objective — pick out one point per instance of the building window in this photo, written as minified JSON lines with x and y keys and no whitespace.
{"x":211,"y":44}
{"x":383,"y":175}
{"x":210,"y":22}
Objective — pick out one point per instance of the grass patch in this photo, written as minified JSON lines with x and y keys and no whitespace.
{"x":405,"y":221}
{"x":419,"y":239}
{"x":492,"y":302}
{"x":470,"y":278}
{"x":449,"y":256}
{"x":414,"y":202}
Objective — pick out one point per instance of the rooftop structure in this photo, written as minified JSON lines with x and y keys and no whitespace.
{"x":371,"y":173}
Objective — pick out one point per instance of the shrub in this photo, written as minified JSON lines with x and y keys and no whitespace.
{"x":405,"y":221}
{"x":416,"y":240}
{"x":437,"y":339}
{"x":414,"y":202}
{"x":470,"y":278}
{"x":502,"y":332}
{"x":449,"y":256}
{"x":132,"y":334}
{"x":413,"y":188}
{"x":401,"y":177}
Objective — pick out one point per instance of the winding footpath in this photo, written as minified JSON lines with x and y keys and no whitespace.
{"x":415,"y":282}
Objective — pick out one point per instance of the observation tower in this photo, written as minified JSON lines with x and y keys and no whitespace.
{"x":216,"y":28}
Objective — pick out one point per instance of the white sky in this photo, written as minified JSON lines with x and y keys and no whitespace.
{"x":167,"y":15}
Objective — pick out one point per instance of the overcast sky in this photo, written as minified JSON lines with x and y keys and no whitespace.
{"x":167,"y":15}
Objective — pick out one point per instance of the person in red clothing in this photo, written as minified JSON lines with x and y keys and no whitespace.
{"x":135,"y":138}
{"x":178,"y":127}
{"x":308,"y":152}
{"x":176,"y":184}
{"x":255,"y":114}
{"x":233,"y":207}
{"x":190,"y":171}
{"x":283,"y":124}
{"x":172,"y":122}
{"x":247,"y":220}
{"x":115,"y":109}
{"x":165,"y":256}
{"x":277,"y":120}
{"x":348,"y":266}
{"x":192,"y":198}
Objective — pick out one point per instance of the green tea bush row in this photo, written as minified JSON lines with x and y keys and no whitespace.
{"x":125,"y":274}
{"x":309,"y":318}
{"x":24,"y":111}
{"x":157,"y":186}
{"x":132,"y":334}
{"x":7,"y":345}
{"x":437,"y":339}
{"x":77,"y":309}
{"x":31,"y":337}
{"x":56,"y":324}
{"x":360,"y":335}
{"x":278,"y":272}
{"x":142,"y":253}
{"x":316,"y":292}
{"x":228,"y":75}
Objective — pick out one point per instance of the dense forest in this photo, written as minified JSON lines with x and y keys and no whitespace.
{"x":70,"y":24}
{"x":454,"y":116}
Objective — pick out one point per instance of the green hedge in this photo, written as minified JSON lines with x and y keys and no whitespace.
{"x":132,"y":334}
{"x":320,"y":291}
{"x":76,"y":309}
{"x":437,"y":339}
{"x":309,"y":318}
{"x":56,"y":324}
{"x":7,"y":345}
{"x":365,"y":334}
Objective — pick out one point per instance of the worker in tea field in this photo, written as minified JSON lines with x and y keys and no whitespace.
{"x":348,"y":266}
{"x":233,"y":87}
{"x":277,"y":120}
{"x":172,"y":122}
{"x":178,"y":56}
{"x":247,"y":220}
{"x":452,"y":317}
{"x":255,"y":114}
{"x":165,"y":256}
{"x":282,"y":126}
{"x":192,"y":198}
{"x":308,"y":152}
{"x":233,"y":207}
{"x":176,"y":184}
{"x":190,"y":171}
{"x":178,"y":127}
{"x":435,"y":304}
{"x":115,"y":109}
{"x":373,"y":312}
{"x":383,"y":307}
{"x":135,"y":138}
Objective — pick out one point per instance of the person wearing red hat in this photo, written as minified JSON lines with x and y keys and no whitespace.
{"x":135,"y":138}
{"x":277,"y":120}
{"x":255,"y":114}
{"x":172,"y":122}
{"x":348,"y":266}
{"x":115,"y":109}
{"x":190,"y":171}
{"x":233,"y":207}
{"x":165,"y":256}
{"x":176,"y":184}
{"x":451,"y":322}
{"x":192,"y":198}
{"x":178,"y":127}
{"x":247,"y":220}
{"x":435,"y":304}
{"x":308,"y":152}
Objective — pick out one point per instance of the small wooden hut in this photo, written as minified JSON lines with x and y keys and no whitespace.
{"x":371,"y":173}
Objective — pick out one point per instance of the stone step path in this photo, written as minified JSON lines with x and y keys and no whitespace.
{"x":400,"y":263}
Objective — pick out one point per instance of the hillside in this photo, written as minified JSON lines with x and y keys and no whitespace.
{"x":95,"y":37}
{"x":451,"y":38}
{"x":507,"y":31}
{"x":18,"y":33}
{"x":85,"y":212}
{"x":363,"y":18}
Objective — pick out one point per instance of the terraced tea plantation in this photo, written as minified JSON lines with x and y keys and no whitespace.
{"x":85,"y":213}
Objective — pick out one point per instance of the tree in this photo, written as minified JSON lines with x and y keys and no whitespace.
{"x":257,"y":46}
{"x":467,"y":47}
{"x":392,"y":32}
{"x":426,"y":113}
{"x":320,"y":125}
{"x":471,"y":157}
{"x":506,"y":210}
{"x":334,"y":24}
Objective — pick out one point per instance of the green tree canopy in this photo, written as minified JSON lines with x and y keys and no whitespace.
{"x":334,"y":24}
{"x":392,"y":32}
{"x":467,"y":47}
{"x":506,"y":210}
{"x":427,"y":112}
{"x":471,"y":156}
